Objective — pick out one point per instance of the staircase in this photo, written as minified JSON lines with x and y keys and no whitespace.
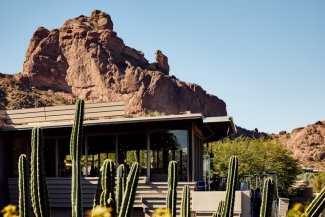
{"x":152,"y":195}
{"x":149,"y":195}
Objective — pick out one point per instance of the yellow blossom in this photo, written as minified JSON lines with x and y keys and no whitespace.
{"x":10,"y":211}
{"x":160,"y":212}
{"x":99,"y":211}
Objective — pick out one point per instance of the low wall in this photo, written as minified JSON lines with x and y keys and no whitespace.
{"x":207,"y":202}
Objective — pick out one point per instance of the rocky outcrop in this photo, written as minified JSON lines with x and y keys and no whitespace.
{"x":87,"y":59}
{"x":307,"y":144}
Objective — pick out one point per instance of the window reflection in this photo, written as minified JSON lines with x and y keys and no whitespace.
{"x":100,"y":148}
{"x":164,"y":147}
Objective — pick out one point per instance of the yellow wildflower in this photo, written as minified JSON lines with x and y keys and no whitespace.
{"x":161,"y":212}
{"x":99,"y":211}
{"x":10,"y":211}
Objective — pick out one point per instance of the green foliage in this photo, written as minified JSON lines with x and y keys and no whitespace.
{"x":129,"y":194}
{"x":316,"y":207}
{"x":231,"y":185}
{"x":319,"y":182}
{"x":23,"y":182}
{"x":39,"y":192}
{"x":257,"y":156}
{"x":172,"y":187}
{"x":75,"y":152}
{"x":185,"y":206}
{"x":267,"y":200}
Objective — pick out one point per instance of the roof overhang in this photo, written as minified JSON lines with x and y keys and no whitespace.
{"x":218,"y":127}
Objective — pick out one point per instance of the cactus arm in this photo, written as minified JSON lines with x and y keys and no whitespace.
{"x":129,"y":194}
{"x":231,"y":184}
{"x":120,"y":186}
{"x":172,"y":188}
{"x":108,"y":183}
{"x":75,"y":152}
{"x":39,"y":192}
{"x":23,"y":169}
{"x":267,"y":200}
{"x":185,"y":207}
{"x":316,"y":207}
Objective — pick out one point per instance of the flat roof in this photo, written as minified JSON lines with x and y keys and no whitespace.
{"x":209,"y":121}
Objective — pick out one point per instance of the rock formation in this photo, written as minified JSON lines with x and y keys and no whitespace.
{"x":307,"y":144}
{"x":87,"y":59}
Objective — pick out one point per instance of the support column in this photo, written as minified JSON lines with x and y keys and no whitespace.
{"x":148,"y":156}
{"x":116,"y":150}
{"x":56,"y":157}
{"x":86,"y":155}
{"x":4,"y":194}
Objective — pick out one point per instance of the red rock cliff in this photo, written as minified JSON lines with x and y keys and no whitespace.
{"x":86,"y":58}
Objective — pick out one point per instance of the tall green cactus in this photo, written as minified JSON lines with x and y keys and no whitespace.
{"x":108,"y":183}
{"x":39,"y":192}
{"x":98,"y":192}
{"x":267,"y":200}
{"x":120,"y":186}
{"x":186,"y":200}
{"x":231,"y":184}
{"x":316,"y":207}
{"x":23,"y":182}
{"x":129,"y":194}
{"x":219,"y":211}
{"x":172,"y":188}
{"x":75,"y":152}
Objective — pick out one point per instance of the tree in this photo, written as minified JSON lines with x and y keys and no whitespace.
{"x":319,"y":182}
{"x":256,"y":156}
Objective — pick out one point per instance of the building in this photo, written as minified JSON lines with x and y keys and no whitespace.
{"x":108,"y":133}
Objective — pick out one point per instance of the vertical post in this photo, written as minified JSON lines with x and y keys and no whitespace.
{"x":116,"y":150}
{"x":4,"y":194}
{"x":193,"y":153}
{"x":148,"y":155}
{"x":56,"y":157}
{"x":86,"y":154}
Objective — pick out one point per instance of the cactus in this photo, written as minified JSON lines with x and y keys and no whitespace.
{"x":75,"y":152}
{"x":267,"y":200}
{"x":316,"y":207}
{"x":185,"y":207}
{"x":23,"y":170}
{"x":97,"y":194}
{"x":120,"y":186}
{"x":129,"y":194}
{"x":108,"y":183}
{"x":39,"y":192}
{"x":172,"y":187}
{"x":219,"y":211}
{"x":231,"y":184}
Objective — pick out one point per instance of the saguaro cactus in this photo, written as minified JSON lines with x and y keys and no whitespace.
{"x":231,"y":184}
{"x":75,"y":152}
{"x":23,"y":182}
{"x":186,"y":200}
{"x":108,"y":183}
{"x":267,"y":200}
{"x":316,"y":207}
{"x":39,"y":192}
{"x":219,"y":211}
{"x":120,"y":186}
{"x":172,"y":187}
{"x":129,"y":194}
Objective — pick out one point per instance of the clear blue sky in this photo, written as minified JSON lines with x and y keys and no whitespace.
{"x":265,"y":59}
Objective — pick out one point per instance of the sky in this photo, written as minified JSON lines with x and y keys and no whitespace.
{"x":265,"y":59}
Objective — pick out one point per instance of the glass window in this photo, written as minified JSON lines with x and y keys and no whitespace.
{"x":164,"y":147}
{"x":49,"y":152}
{"x":100,"y":148}
{"x":132,"y":148}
